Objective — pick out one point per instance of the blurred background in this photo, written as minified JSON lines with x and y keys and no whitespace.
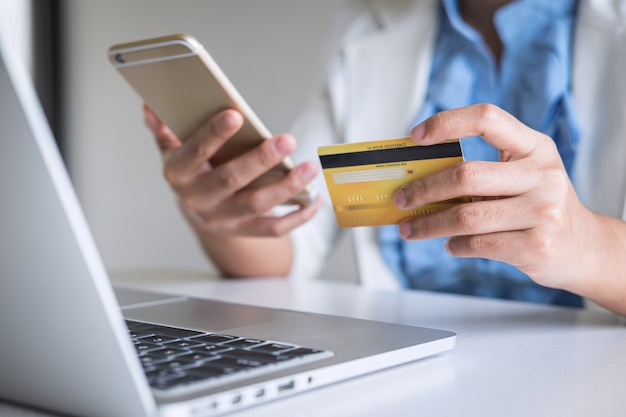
{"x":274,"y":51}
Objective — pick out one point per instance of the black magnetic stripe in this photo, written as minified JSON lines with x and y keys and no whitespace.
{"x":385,"y":156}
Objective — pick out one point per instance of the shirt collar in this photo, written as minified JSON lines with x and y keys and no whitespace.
{"x":516,"y":21}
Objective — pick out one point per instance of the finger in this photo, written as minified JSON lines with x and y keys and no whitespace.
{"x":474,"y":178}
{"x":280,"y":226}
{"x":493,"y":124}
{"x":165,"y":138}
{"x":249,"y":202}
{"x":261,"y":226}
{"x":510,"y":247}
{"x":237,"y":173}
{"x":204,"y":143}
{"x":490,"y":216}
{"x":258,"y":201}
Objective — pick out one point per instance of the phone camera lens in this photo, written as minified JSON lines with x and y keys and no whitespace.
{"x":119,"y":58}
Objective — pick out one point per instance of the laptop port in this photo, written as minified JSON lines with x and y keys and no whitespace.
{"x":287,"y":386}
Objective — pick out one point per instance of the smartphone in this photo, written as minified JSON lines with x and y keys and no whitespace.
{"x":177,"y":78}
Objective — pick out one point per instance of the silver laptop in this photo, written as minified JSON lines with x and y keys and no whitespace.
{"x":71,"y":344}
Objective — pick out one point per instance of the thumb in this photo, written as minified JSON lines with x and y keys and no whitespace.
{"x":493,"y":124}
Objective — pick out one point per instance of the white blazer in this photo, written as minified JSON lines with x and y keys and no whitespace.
{"x":376,"y":86}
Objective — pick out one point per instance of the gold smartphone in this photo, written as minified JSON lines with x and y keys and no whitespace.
{"x":179,"y":80}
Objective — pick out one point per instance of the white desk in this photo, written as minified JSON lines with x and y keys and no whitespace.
{"x":512,"y":359}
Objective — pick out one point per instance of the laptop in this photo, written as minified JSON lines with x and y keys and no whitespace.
{"x":72,"y":344}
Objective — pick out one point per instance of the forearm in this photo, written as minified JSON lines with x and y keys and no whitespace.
{"x":238,"y":256}
{"x":602,"y":278}
{"x":249,"y":256}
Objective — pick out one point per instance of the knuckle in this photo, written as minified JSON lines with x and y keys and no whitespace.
{"x":279,"y":227}
{"x":466,"y":174}
{"x":545,"y":247}
{"x":211,"y":223}
{"x":213,"y":128}
{"x":193,"y":146}
{"x":439,"y":120}
{"x":169,"y":174}
{"x":227,"y":177}
{"x":222,"y":126}
{"x":547,"y":142}
{"x":420,"y":228}
{"x":558,"y":180}
{"x":481,"y":244}
{"x":466,"y":217}
{"x":487,"y":115}
{"x":293,"y":183}
{"x":196,"y":146}
{"x":172,"y":177}
{"x":416,"y":189}
{"x":552,"y":215}
{"x":267,"y":155}
{"x":189,"y":202}
{"x":553,"y":207}
{"x":487,"y":112}
{"x":256,"y":203}
{"x":276,"y":229}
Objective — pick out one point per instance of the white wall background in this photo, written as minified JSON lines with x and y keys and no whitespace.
{"x":273,"y":51}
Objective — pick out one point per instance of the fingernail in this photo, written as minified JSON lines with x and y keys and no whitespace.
{"x":405,"y":229}
{"x":228,"y":120}
{"x":400,"y":198}
{"x":283,"y":145}
{"x":308,"y":171}
{"x":418,"y":132}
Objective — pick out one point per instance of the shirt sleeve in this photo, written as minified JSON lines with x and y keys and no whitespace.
{"x":320,"y":124}
{"x":312,"y":241}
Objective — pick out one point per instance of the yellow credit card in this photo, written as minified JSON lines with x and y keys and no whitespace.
{"x":363,"y":177}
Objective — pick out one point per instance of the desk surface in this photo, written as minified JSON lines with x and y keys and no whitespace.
{"x":512,"y":358}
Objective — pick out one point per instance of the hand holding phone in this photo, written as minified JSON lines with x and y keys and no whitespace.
{"x":178,"y":79}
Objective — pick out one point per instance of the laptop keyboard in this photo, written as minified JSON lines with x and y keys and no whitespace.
{"x":173,"y":357}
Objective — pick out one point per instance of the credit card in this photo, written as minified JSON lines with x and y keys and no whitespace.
{"x":363,"y":177}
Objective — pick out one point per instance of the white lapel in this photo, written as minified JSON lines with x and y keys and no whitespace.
{"x":388,"y":72}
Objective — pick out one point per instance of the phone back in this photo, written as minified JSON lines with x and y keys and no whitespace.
{"x":179,"y":80}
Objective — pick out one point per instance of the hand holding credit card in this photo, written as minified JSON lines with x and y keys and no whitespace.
{"x":363,"y":177}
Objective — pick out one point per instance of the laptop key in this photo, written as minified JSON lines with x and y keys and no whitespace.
{"x":214,"y":349}
{"x":244,"y":343}
{"x":144,"y":347}
{"x":201,"y":356}
{"x":180,"y":379}
{"x":174,"y":332}
{"x":295,"y":353}
{"x":230,"y":365}
{"x":272,"y":347}
{"x":156,"y":338}
{"x":163,"y":373}
{"x":183,"y":344}
{"x":148,"y":359}
{"x":252,"y":355}
{"x":205,"y":372}
{"x":215,"y":338}
{"x":136,"y":334}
